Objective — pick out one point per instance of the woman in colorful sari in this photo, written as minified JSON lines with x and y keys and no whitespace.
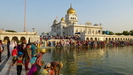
{"x":38,"y":64}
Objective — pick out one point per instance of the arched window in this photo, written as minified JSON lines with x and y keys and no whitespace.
{"x":99,"y":31}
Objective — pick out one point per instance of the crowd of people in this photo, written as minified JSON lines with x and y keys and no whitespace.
{"x":28,"y":54}
{"x":76,"y":37}
{"x":72,"y":42}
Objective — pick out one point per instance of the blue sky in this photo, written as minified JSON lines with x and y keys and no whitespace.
{"x":115,"y":15}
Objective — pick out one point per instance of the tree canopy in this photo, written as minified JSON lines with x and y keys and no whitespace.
{"x":131,"y":32}
{"x":10,"y":31}
{"x":123,"y":33}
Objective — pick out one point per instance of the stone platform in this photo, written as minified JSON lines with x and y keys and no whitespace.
{"x":5,"y":65}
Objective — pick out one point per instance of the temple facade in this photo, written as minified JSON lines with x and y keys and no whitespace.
{"x":69,"y":26}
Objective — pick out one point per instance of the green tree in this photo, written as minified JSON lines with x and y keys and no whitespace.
{"x":125,"y":33}
{"x":103,"y":32}
{"x":118,"y":33}
{"x":131,"y":32}
{"x":111,"y":33}
{"x":10,"y":31}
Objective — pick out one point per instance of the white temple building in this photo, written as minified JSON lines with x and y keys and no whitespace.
{"x":69,"y":26}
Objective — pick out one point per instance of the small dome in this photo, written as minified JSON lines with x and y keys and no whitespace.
{"x":71,"y":11}
{"x":62,"y":19}
{"x":55,"y":21}
{"x":88,"y":23}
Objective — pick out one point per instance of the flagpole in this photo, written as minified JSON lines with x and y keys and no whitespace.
{"x":24,"y":15}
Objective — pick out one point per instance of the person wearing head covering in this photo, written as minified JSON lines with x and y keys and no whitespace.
{"x":37,"y":65}
{"x":44,"y":70}
{"x":39,"y":58}
{"x":11,"y":47}
{"x":19,"y":63}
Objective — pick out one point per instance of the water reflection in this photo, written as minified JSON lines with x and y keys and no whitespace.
{"x":84,"y":60}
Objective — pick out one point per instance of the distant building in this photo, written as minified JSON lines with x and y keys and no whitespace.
{"x":69,"y":26}
{"x":45,"y":34}
{"x":19,"y":36}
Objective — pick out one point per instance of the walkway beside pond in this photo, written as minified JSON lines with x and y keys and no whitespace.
{"x":5,"y":65}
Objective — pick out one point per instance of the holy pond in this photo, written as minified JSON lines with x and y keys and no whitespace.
{"x":92,"y":61}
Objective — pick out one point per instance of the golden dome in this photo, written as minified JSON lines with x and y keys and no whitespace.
{"x":71,"y":11}
{"x":62,"y":19}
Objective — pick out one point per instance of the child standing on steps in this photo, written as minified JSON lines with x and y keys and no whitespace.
{"x":19,"y":63}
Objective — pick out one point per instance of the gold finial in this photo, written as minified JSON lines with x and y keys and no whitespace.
{"x":71,"y":10}
{"x":70,"y":5}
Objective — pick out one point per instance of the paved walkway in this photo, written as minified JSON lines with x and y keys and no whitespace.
{"x":3,"y":56}
{"x":5,"y":65}
{"x":13,"y":70}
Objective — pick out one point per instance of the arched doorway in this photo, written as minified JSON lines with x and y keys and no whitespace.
{"x":112,"y":39}
{"x":6,"y":39}
{"x":109,"y":39}
{"x":118,"y":39}
{"x":22,"y":39}
{"x":95,"y":39}
{"x":15,"y":38}
{"x":87,"y":38}
{"x":91,"y":39}
{"x":106,"y":39}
